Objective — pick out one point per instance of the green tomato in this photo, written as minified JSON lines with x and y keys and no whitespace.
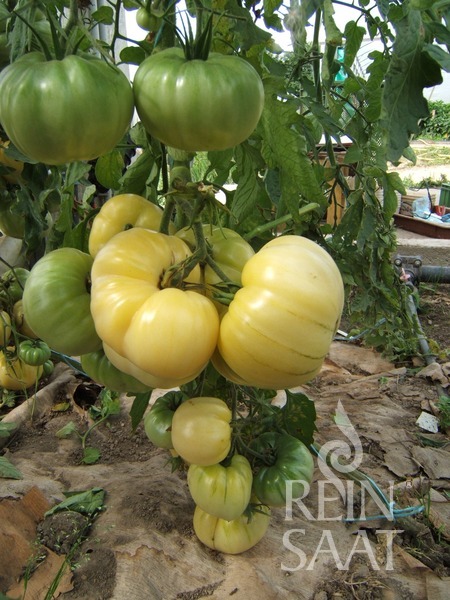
{"x":61,"y":111}
{"x":12,"y":284}
{"x":146,"y":20}
{"x":236,"y":536}
{"x":47,"y":368}
{"x":101,"y":370}
{"x":158,"y":420}
{"x":34,"y":352}
{"x":195,"y":105}
{"x":288,"y":459}
{"x":56,"y":302}
{"x":222,"y":491}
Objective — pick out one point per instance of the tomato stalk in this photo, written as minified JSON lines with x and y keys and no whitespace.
{"x":280,"y":221}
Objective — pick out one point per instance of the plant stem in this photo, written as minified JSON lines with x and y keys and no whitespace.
{"x":280,"y":221}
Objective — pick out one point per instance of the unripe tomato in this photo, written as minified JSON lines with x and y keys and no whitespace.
{"x":196,"y":105}
{"x":101,"y":370}
{"x":146,"y":20}
{"x":288,"y":460}
{"x":34,"y":352}
{"x":56,"y":302}
{"x":158,"y":420}
{"x":60,"y":111}
{"x":223,"y":491}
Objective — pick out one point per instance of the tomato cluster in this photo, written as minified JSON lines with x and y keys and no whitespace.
{"x":24,"y":358}
{"x":147,"y":310}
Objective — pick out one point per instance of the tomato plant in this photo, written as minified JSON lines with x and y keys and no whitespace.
{"x":166,"y":332}
{"x":285,"y":460}
{"x":120,"y":213}
{"x":56,"y":302}
{"x":15,"y":374}
{"x":201,"y":432}
{"x":222,"y":490}
{"x":280,"y":324}
{"x":34,"y":352}
{"x":166,"y":91}
{"x":60,"y":111}
{"x":158,"y":420}
{"x":235,"y":536}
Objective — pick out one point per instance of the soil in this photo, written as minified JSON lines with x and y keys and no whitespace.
{"x":141,"y":544}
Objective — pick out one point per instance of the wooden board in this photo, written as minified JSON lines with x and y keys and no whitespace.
{"x":423,"y":227}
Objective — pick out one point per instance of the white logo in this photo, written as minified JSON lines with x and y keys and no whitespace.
{"x":334,"y":458}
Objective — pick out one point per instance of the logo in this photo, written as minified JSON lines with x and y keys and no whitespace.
{"x":342,"y":493}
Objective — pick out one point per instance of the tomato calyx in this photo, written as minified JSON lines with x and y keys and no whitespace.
{"x":198,"y":47}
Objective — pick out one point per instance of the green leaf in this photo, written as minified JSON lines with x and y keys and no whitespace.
{"x":298,"y":417}
{"x":109,"y":169}
{"x":354,"y":35}
{"x":132,"y":55}
{"x":410,"y":71}
{"x":247,"y":33}
{"x":138,"y":408}
{"x":6,"y":429}
{"x":86,"y":502}
{"x":74,"y":173}
{"x":285,"y":149}
{"x":8,"y":470}
{"x":67,"y":430}
{"x":135,"y":178}
{"x":439,"y":55}
{"x":91,"y":455}
{"x":249,"y":189}
{"x":104,"y":14}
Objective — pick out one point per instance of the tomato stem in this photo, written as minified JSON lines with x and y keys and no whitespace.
{"x":280,"y":221}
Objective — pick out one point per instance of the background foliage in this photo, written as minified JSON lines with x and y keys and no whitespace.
{"x":437,"y":125}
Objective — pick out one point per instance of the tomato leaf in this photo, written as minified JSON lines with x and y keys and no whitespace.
{"x":109,"y":169}
{"x":67,"y":430}
{"x":298,"y":417}
{"x":8,"y":470}
{"x":91,"y":455}
{"x":86,"y":502}
{"x":410,"y":71}
{"x":104,"y":14}
{"x":6,"y":429}
{"x":138,"y":408}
